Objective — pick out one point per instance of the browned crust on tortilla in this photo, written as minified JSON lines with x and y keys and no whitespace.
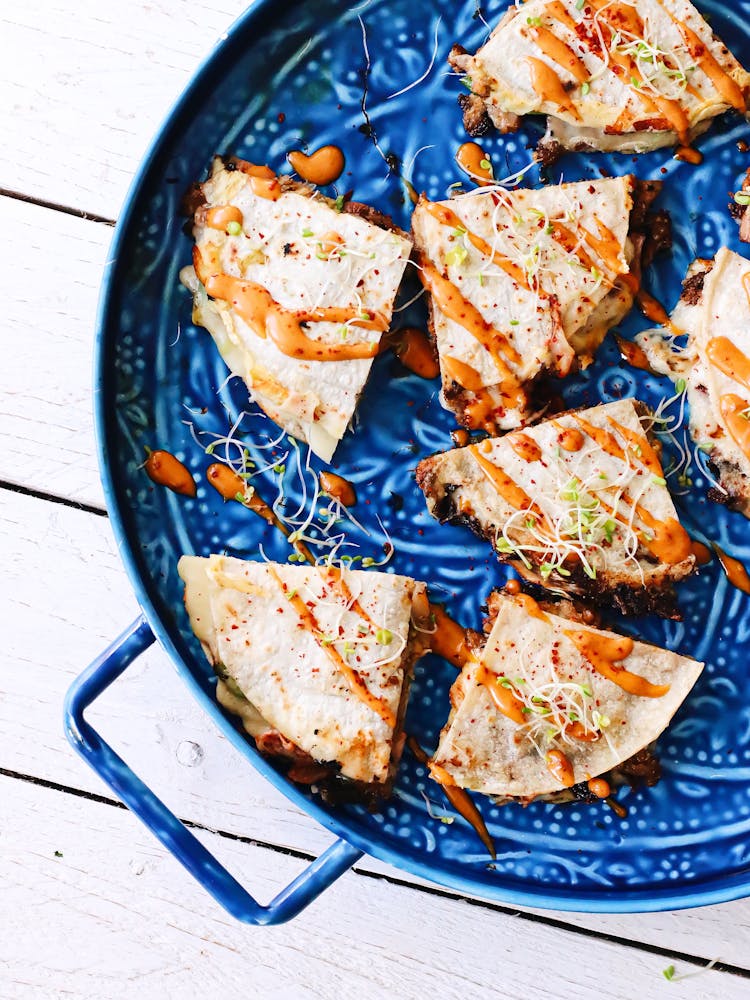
{"x":605,"y":590}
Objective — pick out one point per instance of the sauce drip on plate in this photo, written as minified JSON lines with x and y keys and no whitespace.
{"x":322,"y":167}
{"x":229,"y":485}
{"x":632,"y":354}
{"x":164,"y":469}
{"x":470,"y":158}
{"x":734,"y":570}
{"x":457,"y":797}
{"x":414,"y":350}
{"x":338,"y":488}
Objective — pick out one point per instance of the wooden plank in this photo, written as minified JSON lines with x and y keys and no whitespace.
{"x":86,"y":86}
{"x":50,"y":294}
{"x":132,"y":922}
{"x":65,"y":561}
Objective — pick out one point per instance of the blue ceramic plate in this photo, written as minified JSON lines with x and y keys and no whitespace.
{"x":293,"y":74}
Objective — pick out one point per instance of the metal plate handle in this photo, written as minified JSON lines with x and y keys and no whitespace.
{"x":201,"y":864}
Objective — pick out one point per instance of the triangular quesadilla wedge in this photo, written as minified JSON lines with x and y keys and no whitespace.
{"x":551,"y":705}
{"x":524,"y":282}
{"x":296,"y":290}
{"x":577,"y":503}
{"x":316,"y":661}
{"x":619,"y":75}
{"x":714,"y":368}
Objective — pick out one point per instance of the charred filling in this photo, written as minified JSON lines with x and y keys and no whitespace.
{"x":630,"y":601}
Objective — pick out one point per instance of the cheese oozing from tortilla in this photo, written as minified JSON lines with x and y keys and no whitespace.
{"x":578,"y":503}
{"x":714,"y":366}
{"x":546,"y":691}
{"x":522,"y":282}
{"x":323,"y":656}
{"x":295,"y":294}
{"x":627,"y":75}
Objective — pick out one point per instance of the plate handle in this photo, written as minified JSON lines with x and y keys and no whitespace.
{"x":189,"y":851}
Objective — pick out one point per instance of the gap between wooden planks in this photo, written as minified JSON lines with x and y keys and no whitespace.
{"x":132,"y":922}
{"x":86,"y":85}
{"x":63,"y":564}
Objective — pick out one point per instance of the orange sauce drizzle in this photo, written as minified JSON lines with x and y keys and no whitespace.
{"x":548,"y":85}
{"x":605,"y":654}
{"x":701,"y":552}
{"x":616,"y":16}
{"x":328,"y":243}
{"x":570,"y":242}
{"x":688,"y":155}
{"x":728,"y":358}
{"x":724,"y":83}
{"x":732,"y":409}
{"x":220,"y":216}
{"x":268,"y":319}
{"x":447,"y":217}
{"x":503,"y":697}
{"x":558,"y":12}
{"x":633,"y":354}
{"x":449,"y":640}
{"x":653,"y":309}
{"x":460,"y":437}
{"x":457,"y":797}
{"x":470,"y":157}
{"x":560,"y":53}
{"x":641,"y":446}
{"x":415,"y":351}
{"x":525,"y":447}
{"x":510,"y":491}
{"x":527,"y":602}
{"x":599,"y":787}
{"x":231,"y":486}
{"x":353,"y":679}
{"x":454,"y":306}
{"x":569,"y":438}
{"x":606,"y":441}
{"x":338,"y":488}
{"x":164,"y":469}
{"x":671,"y":543}
{"x":480,"y":412}
{"x":560,"y":768}
{"x":734,"y":570}
{"x":324,"y":166}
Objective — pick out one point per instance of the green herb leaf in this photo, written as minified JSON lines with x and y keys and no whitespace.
{"x":741,"y":198}
{"x":339,"y":203}
{"x":585,"y":87}
{"x":234,"y":228}
{"x":668,"y":973}
{"x":307,"y":233}
{"x":384,"y":637}
{"x":680,"y":385}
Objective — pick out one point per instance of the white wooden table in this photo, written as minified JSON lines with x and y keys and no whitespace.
{"x":90,"y":904}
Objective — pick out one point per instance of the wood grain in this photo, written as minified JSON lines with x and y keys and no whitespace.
{"x":85,"y":87}
{"x":64,"y":560}
{"x":134,"y":926}
{"x":50,"y":293}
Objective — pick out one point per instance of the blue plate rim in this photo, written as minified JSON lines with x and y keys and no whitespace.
{"x":654,"y":898}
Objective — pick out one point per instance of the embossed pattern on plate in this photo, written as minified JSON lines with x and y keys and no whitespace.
{"x":301,"y":81}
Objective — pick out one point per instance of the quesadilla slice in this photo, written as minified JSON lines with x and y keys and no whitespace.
{"x":554,"y":708}
{"x":315,"y":660}
{"x":714,"y":368}
{"x":612,"y":75}
{"x":524,"y":282}
{"x":577,"y":504}
{"x":296,"y":290}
